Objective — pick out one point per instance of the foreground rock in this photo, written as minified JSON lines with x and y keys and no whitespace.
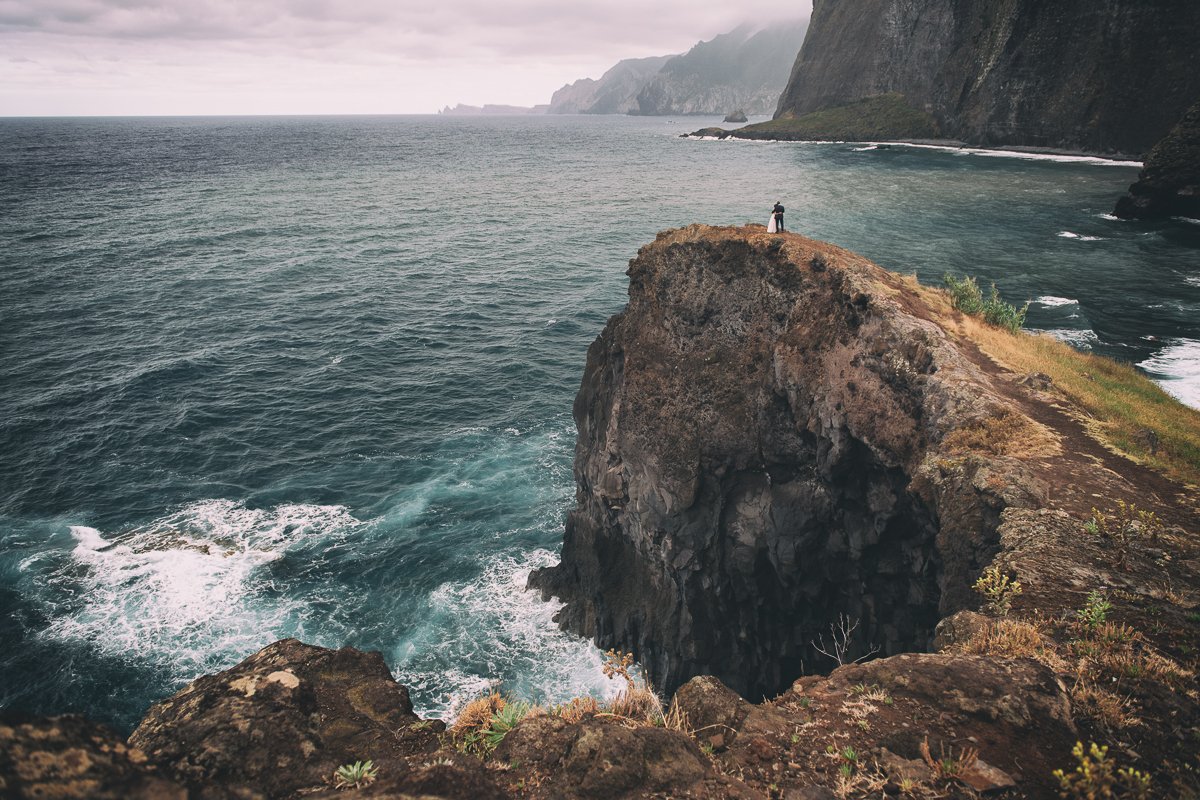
{"x":284,"y":719}
{"x":1014,"y":714}
{"x":1169,"y":184}
{"x":70,"y":758}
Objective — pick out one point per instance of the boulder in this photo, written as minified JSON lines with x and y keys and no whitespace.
{"x":70,"y":757}
{"x":284,"y":719}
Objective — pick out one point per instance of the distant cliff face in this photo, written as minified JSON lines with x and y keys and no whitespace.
{"x":614,"y":93}
{"x":1095,"y":75}
{"x":733,"y":71}
{"x":760,"y":451}
{"x":1169,"y":185}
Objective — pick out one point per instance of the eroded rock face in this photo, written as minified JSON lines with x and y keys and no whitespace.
{"x":1096,"y":75}
{"x":757,"y":455}
{"x":71,"y":758}
{"x":282,"y":720}
{"x":594,"y":759}
{"x":1169,"y":185}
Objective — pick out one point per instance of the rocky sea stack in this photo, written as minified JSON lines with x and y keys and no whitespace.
{"x":1169,"y":184}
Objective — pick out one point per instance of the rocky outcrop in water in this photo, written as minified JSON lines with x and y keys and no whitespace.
{"x":1169,"y":183}
{"x":760,"y":433}
{"x":1095,"y":75}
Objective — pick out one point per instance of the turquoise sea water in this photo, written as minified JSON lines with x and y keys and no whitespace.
{"x":313,"y":376}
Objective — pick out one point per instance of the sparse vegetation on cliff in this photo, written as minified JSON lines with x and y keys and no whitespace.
{"x":886,"y":117}
{"x":969,"y":299}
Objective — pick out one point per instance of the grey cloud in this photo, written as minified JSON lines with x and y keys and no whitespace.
{"x":510,"y":28}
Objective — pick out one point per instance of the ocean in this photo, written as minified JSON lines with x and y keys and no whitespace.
{"x":312,"y":376}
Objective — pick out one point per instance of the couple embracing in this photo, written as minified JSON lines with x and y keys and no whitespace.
{"x":775,"y":225}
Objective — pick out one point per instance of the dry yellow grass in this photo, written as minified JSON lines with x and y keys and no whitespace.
{"x":1122,"y":407}
{"x":1006,"y":434}
{"x":478,"y":713}
{"x":1105,"y":707}
{"x":1119,"y":406}
{"x":1014,"y":638}
{"x":578,"y":709}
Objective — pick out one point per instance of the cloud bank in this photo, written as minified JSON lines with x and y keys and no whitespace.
{"x":323,"y":56}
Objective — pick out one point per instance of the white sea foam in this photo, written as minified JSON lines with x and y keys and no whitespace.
{"x":1051,"y":301}
{"x":1176,"y":368}
{"x":1188,"y":220}
{"x":1110,"y":217}
{"x":865,"y":149}
{"x":492,"y":625}
{"x":1192,"y":280}
{"x":186,"y":588}
{"x":1080,"y":237}
{"x":1084,"y":339}
{"x":976,"y":151}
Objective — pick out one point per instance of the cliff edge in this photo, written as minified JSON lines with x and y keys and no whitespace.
{"x":1105,"y":76}
{"x":789,"y":461}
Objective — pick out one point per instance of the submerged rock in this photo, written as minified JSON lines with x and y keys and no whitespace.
{"x":1169,"y":183}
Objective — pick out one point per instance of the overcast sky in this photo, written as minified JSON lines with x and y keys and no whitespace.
{"x":332,"y":56}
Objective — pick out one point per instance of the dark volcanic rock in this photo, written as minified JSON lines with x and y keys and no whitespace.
{"x":594,"y":759}
{"x":282,"y":720}
{"x":736,"y":116}
{"x":70,"y":757}
{"x":1169,"y":184}
{"x":1095,"y":75}
{"x":758,"y":453}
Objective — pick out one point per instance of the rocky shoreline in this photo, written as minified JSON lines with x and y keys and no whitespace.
{"x":789,"y":460}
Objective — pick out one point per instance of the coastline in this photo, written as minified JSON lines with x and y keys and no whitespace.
{"x":953,"y":146}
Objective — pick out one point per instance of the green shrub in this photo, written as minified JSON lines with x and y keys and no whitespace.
{"x":998,"y":588}
{"x":504,"y":721}
{"x":1098,"y":778}
{"x":969,"y":299}
{"x":358,"y":774}
{"x":1095,"y":611}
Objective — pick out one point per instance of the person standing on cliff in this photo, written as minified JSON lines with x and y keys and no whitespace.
{"x":777,"y":213}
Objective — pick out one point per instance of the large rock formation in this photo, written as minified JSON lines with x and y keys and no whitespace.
{"x":1169,"y":184}
{"x":737,"y":70}
{"x":1094,"y":75}
{"x":615,"y":92}
{"x":283,"y":720}
{"x":763,"y":448}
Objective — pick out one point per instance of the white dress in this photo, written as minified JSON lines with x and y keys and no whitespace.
{"x":771,"y":224}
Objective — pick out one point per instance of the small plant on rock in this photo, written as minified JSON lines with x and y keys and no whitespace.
{"x":998,"y":589}
{"x":356,"y":775}
{"x":502,"y":722}
{"x":1123,"y":526}
{"x":947,"y":765}
{"x":842,"y":641}
{"x":1094,"y":612}
{"x":1098,"y":778}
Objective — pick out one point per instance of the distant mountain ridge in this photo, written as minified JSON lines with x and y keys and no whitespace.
{"x":743,"y":69}
{"x":615,"y":92}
